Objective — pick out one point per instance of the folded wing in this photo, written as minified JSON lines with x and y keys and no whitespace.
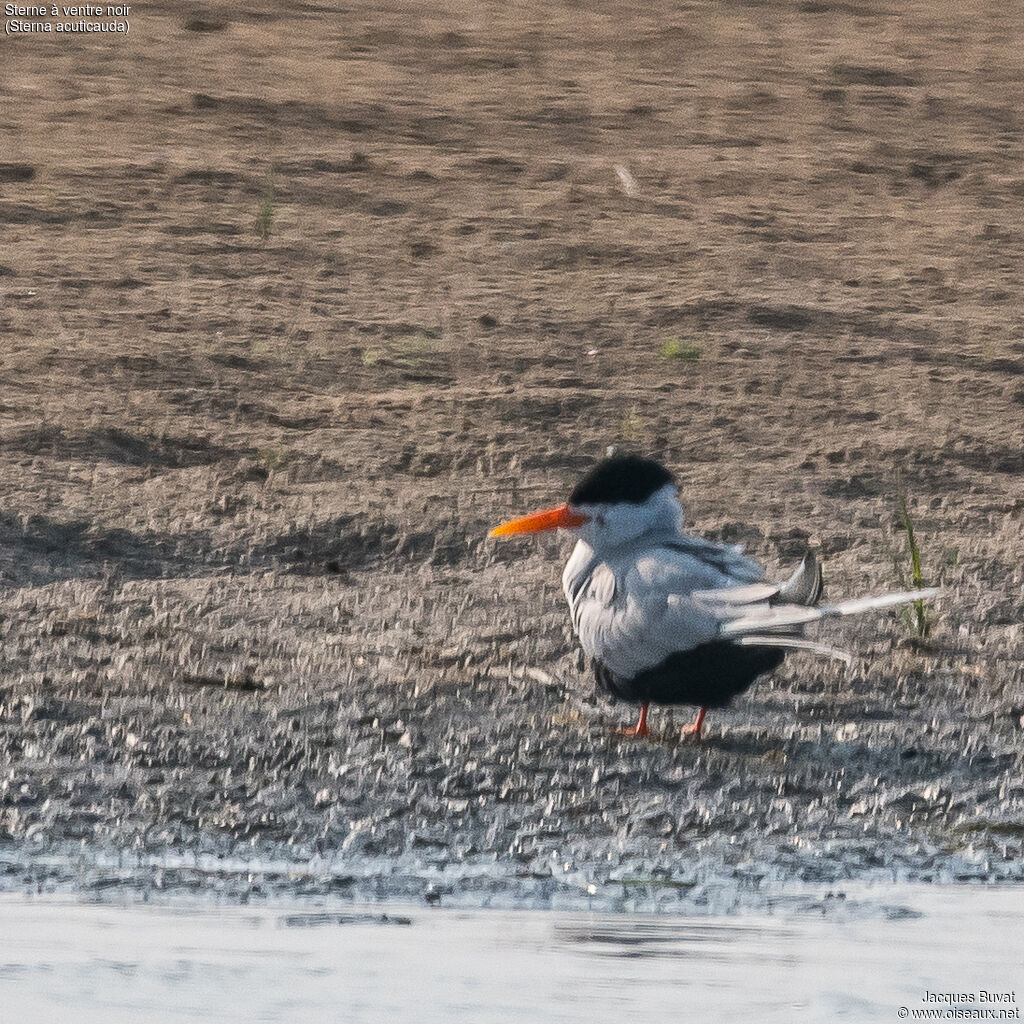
{"x":676,"y":597}
{"x":637,"y":610}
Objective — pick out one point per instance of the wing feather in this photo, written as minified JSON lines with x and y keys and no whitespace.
{"x":653,"y":609}
{"x":752,"y":593}
{"x":634,"y":608}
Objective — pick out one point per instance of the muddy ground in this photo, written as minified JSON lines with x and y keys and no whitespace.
{"x":298,"y":300}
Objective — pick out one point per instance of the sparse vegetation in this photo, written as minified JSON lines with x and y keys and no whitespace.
{"x":632,"y":428}
{"x":415,"y":352}
{"x":409,"y":354}
{"x":915,"y":615}
{"x":677,"y":348}
{"x":266,"y":212}
{"x":273,"y":457}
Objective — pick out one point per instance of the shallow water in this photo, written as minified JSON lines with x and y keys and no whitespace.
{"x":856,"y":959}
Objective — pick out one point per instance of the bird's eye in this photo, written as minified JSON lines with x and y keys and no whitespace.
{"x":600,"y":520}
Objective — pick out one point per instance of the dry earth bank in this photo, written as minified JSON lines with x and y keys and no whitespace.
{"x":298,"y":300}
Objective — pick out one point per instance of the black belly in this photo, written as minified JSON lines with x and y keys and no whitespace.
{"x":708,"y":676}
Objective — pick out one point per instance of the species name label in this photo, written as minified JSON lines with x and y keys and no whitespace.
{"x":46,"y":19}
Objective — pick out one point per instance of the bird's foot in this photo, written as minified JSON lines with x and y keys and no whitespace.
{"x":637,"y":731}
{"x":640,"y":729}
{"x":698,"y":725}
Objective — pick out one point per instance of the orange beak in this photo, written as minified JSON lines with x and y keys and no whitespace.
{"x":549,"y":519}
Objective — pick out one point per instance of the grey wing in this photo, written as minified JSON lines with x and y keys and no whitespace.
{"x":803,"y":588}
{"x":633,"y":616}
{"x":633,"y":613}
{"x":750,"y":613}
{"x":726,"y":560}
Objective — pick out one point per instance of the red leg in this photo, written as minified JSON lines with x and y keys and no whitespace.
{"x":695,"y":729}
{"x":641,"y":727}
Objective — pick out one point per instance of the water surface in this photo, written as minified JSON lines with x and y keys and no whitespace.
{"x":856,"y":958}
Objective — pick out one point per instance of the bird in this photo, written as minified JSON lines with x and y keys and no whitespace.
{"x":665,"y":616}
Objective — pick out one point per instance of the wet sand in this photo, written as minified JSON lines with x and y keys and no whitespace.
{"x":248,"y":614}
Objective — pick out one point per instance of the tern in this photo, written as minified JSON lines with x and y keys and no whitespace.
{"x":667,"y":617}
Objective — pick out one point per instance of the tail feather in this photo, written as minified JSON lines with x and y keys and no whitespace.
{"x":857,"y":605}
{"x":805,"y":586}
{"x":776,"y":617}
{"x":796,"y":643}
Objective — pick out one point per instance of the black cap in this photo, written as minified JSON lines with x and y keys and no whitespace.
{"x":622,"y":478}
